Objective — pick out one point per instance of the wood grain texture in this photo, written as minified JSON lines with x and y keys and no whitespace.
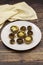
{"x":30,"y":57}
{"x":22,"y":63}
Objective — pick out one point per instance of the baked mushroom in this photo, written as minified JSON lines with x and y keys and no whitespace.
{"x":23,"y":28}
{"x":29,"y":28}
{"x":21,"y":34}
{"x":29,"y":33}
{"x":11,"y":36}
{"x":28,"y":39}
{"x":14,"y":29}
{"x":19,"y":41}
{"x":12,"y":41}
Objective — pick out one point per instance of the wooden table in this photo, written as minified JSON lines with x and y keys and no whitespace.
{"x":30,"y":57}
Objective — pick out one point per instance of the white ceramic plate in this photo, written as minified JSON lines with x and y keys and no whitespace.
{"x":36,"y":36}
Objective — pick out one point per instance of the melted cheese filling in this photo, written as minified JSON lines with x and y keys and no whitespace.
{"x":21,"y":34}
{"x":28,"y":38}
{"x":14,"y":28}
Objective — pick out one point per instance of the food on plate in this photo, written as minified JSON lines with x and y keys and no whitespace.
{"x":11,"y":36}
{"x":21,"y":34}
{"x":14,"y":29}
{"x":28,"y":39}
{"x":19,"y":41}
{"x":29,"y":28}
{"x":30,"y":33}
{"x":23,"y":28}
{"x":12,"y":41}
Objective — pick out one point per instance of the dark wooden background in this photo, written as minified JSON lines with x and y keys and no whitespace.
{"x":30,"y":57}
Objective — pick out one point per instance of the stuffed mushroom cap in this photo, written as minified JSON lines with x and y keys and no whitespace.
{"x":11,"y":36}
{"x":23,"y":28}
{"x":30,"y":33}
{"x":29,"y":28}
{"x":20,"y":41}
{"x":28,"y":39}
{"x":21,"y":34}
{"x":12,"y":41}
{"x":14,"y":29}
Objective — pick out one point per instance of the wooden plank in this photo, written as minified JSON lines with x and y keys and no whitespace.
{"x":14,"y":1}
{"x":22,"y":63}
{"x":40,"y":15}
{"x":38,"y":8}
{"x":14,"y":57}
{"x":9,"y":57}
{"x":33,"y":56}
